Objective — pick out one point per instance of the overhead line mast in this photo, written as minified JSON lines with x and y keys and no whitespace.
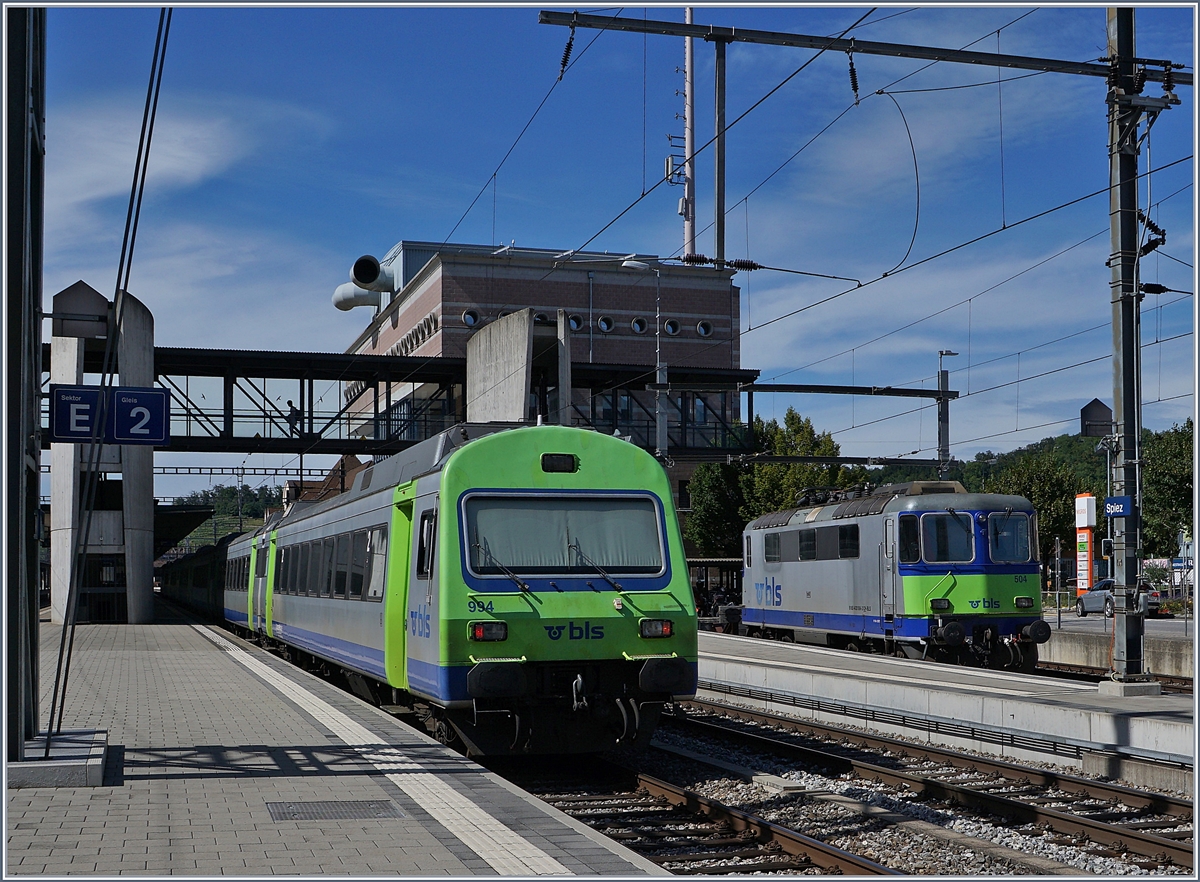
{"x":1127,"y":75}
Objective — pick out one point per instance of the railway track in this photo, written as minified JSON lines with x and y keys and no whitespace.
{"x":1181,"y":685}
{"x":1115,"y":819}
{"x":682,"y":831}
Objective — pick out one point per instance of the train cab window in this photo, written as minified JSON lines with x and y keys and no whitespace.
{"x":302,"y":582}
{"x":771,"y":553}
{"x":358,"y":565}
{"x":341,"y":572}
{"x":947,"y":537}
{"x":848,"y":541}
{"x":910,"y":539}
{"x":376,"y":563}
{"x":426,"y":538}
{"x":328,"y":560}
{"x":1008,"y":537}
{"x":808,"y":545}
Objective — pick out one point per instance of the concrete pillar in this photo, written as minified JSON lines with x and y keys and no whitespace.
{"x":66,"y":359}
{"x":135,"y":356}
{"x":565,"y":416}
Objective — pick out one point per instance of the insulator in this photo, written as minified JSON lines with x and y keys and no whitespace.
{"x":567,"y":53}
{"x":742,"y":263}
{"x":1139,"y":80}
{"x":1169,"y":79}
{"x":853,"y":79}
{"x":695,"y":259}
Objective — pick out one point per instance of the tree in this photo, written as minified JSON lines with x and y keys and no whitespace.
{"x":224,"y":500}
{"x":715,"y":523}
{"x":1051,"y":486}
{"x":1166,"y":488}
{"x":774,"y":486}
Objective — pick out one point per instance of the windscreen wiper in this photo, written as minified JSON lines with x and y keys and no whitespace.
{"x":516,"y":579}
{"x":596,"y":566}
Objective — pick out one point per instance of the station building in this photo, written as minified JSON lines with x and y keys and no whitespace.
{"x":623,"y":313}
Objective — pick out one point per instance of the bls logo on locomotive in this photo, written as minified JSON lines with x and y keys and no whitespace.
{"x":768,"y":593}
{"x":985,"y":603}
{"x":586,"y":631}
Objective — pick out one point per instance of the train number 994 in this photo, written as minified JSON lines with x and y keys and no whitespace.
{"x":479,"y":606}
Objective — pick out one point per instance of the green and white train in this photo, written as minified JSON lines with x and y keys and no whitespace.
{"x":524,"y":589}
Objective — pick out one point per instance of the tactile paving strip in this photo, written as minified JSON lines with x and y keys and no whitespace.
{"x":344,"y":810}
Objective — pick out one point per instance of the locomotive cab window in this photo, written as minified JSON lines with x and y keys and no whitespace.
{"x":947,"y":537}
{"x":910,"y":539}
{"x":1008,"y":537}
{"x":568,"y":535}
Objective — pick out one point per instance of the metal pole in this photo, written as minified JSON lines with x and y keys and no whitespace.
{"x":660,"y":373}
{"x":1123,"y":165}
{"x":719,"y":193}
{"x":689,"y":142}
{"x":1058,"y":578}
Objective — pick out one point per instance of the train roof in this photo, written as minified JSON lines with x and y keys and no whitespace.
{"x":831,"y":505}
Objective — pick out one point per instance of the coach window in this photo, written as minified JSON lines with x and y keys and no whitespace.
{"x":342,"y":572}
{"x":328,"y":560}
{"x":747,"y":551}
{"x":1008,"y":537}
{"x":947,"y":537}
{"x":771,"y":548}
{"x":260,"y":562}
{"x":358,"y":564}
{"x":304,"y":553}
{"x":376,"y":563}
{"x":847,"y":541}
{"x":426,"y":547}
{"x":808,"y":544}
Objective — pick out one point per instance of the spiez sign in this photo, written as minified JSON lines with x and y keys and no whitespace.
{"x":1118,"y":507}
{"x":135,"y":416}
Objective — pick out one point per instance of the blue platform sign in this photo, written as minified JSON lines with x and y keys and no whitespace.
{"x":138,"y":416}
{"x":73,"y":412}
{"x":135,"y":415}
{"x":1118,"y":507}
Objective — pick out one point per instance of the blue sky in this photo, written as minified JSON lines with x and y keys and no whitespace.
{"x":290,"y":141}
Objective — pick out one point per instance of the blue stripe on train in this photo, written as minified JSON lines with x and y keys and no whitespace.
{"x":353,"y":655}
{"x":237,"y":616}
{"x":906,"y":626}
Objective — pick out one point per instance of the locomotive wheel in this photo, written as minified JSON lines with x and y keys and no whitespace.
{"x":786,"y":637}
{"x":754,"y":632}
{"x":853,"y":647}
{"x":1079,"y":610}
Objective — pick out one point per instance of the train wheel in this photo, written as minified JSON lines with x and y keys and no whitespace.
{"x":853,"y":647}
{"x":786,"y":637}
{"x":754,"y":632}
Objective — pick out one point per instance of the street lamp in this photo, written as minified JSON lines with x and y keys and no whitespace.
{"x":660,"y":369}
{"x":943,"y":405}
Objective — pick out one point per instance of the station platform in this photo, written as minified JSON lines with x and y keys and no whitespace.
{"x":1145,"y":740}
{"x":1169,"y":648}
{"x":222,"y":759}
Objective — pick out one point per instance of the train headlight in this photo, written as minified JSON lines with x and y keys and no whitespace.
{"x":488,"y":631}
{"x":1024,"y":603}
{"x":657,"y":627}
{"x":940,"y":603}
